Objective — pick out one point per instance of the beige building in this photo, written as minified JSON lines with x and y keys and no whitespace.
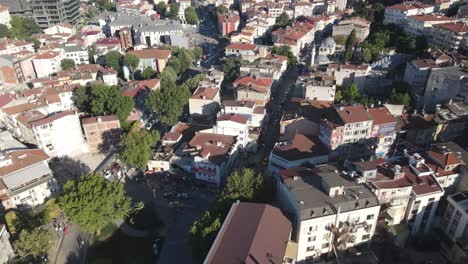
{"x":345,"y":27}
{"x":101,"y":132}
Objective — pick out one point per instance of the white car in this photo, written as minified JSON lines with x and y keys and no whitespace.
{"x":107,"y":174}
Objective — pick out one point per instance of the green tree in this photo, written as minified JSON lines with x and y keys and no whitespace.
{"x":4,"y":31}
{"x":175,"y":64}
{"x":31,"y":245}
{"x":92,"y":51}
{"x":285,"y":51}
{"x":348,"y":53}
{"x":81,"y":98}
{"x":11,"y":220}
{"x":351,"y":94}
{"x":231,"y":68}
{"x":174,"y":10}
{"x":197,"y":52}
{"x":112,"y":59}
{"x":131,"y":61}
{"x":283,"y":20}
{"x":161,"y":8}
{"x":66,"y":64}
{"x":168,"y":102}
{"x":243,"y":185}
{"x":406,"y":44}
{"x":421,"y":43}
{"x":219,"y":10}
{"x":93,"y":202}
{"x":400,"y":98}
{"x":23,"y":27}
{"x":366,"y":53}
{"x":191,"y":15}
{"x":185,"y":56}
{"x":36,"y":43}
{"x":135,"y":148}
{"x":148,"y":73}
{"x":108,"y":100}
{"x":168,"y":76}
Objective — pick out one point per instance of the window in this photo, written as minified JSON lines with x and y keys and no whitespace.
{"x":311,"y":248}
{"x":365,"y":237}
{"x":325,"y":245}
{"x":312,"y":228}
{"x":370,"y":217}
{"x":432,"y":199}
{"x":327,"y":236}
{"x":311,"y":238}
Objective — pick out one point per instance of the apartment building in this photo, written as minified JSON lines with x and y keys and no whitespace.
{"x":77,"y":53}
{"x":5,"y":246}
{"x":446,"y":165}
{"x":228,"y":23}
{"x":155,"y":59}
{"x":449,"y":35}
{"x":26,"y":178}
{"x":316,"y":86}
{"x":422,"y":24}
{"x":384,"y":128}
{"x":60,"y":134}
{"x":253,"y":89}
{"x":47,"y":63}
{"x":5,"y":16}
{"x":455,"y":219}
{"x":347,"y":74}
{"x":271,"y":66}
{"x":346,"y":26}
{"x":295,"y":36}
{"x":254,"y":113}
{"x":62,"y":28}
{"x":323,"y":204}
{"x":48,"y":13}
{"x":155,"y":32}
{"x":233,"y":125}
{"x":265,"y":235}
{"x":249,"y":52}
{"x":205,"y":102}
{"x":9,"y":46}
{"x":101,"y":132}
{"x":398,"y":13}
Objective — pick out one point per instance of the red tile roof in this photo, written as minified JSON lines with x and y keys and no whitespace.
{"x":52,"y":118}
{"x":234,"y":118}
{"x":241,"y":46}
{"x":171,"y":136}
{"x":47,"y":55}
{"x":431,"y":18}
{"x":409,"y":6}
{"x":447,"y":159}
{"x":5,"y":99}
{"x":353,"y":114}
{"x":381,"y":115}
{"x":213,"y":146}
{"x":99,"y":119}
{"x":22,"y":159}
{"x":159,"y":54}
{"x":205,"y":93}
{"x":247,"y":80}
{"x":301,"y":147}
{"x":459,"y":27}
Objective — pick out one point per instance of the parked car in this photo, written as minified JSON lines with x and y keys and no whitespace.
{"x":176,"y":204}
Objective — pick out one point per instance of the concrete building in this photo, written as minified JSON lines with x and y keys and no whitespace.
{"x":9,"y":47}
{"x":316,"y":86}
{"x":156,"y":32}
{"x":324,"y":203}
{"x":5,"y":246}
{"x":62,"y":28}
{"x":455,"y":219}
{"x":262,"y":230}
{"x":296,"y":36}
{"x":398,"y":13}
{"x":76,"y":53}
{"x":422,"y":24}
{"x":255,"y":113}
{"x":346,"y":26}
{"x":233,"y":125}
{"x":5,"y":16}
{"x":54,"y":12}
{"x":26,"y":178}
{"x":101,"y":132}
{"x":347,"y":74}
{"x":384,"y":128}
{"x":47,"y":63}
{"x":155,"y":59}
{"x":451,"y":36}
{"x":183,"y":4}
{"x":60,"y":134}
{"x":253,"y":89}
{"x":228,"y":23}
{"x":272,"y":66}
{"x":205,"y":102}
{"x":249,"y":52}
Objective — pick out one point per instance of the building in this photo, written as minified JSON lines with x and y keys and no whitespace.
{"x":258,"y":232}
{"x":212,"y":156}
{"x":5,"y":246}
{"x":60,"y":134}
{"x":446,"y":165}
{"x":417,"y":72}
{"x":5,"y":16}
{"x":254,"y":113}
{"x":155,"y":32}
{"x":449,"y":35}
{"x":101,"y":132}
{"x":47,"y":63}
{"x":346,"y":26}
{"x":398,"y":13}
{"x":62,"y":28}
{"x":249,"y":52}
{"x":322,"y":204}
{"x":183,"y":4}
{"x":298,"y":151}
{"x":205,"y":102}
{"x":165,"y":149}
{"x":155,"y":59}
{"x":422,"y":24}
{"x":253,"y":89}
{"x":54,"y":12}
{"x":327,"y":47}
{"x":316,"y":86}
{"x":228,"y":23}
{"x":272,"y":66}
{"x":26,"y":178}
{"x":9,"y":47}
{"x":233,"y":125}
{"x":384,"y":128}
{"x":77,"y":53}
{"x":347,"y":74}
{"x":10,"y":70}
{"x":296,"y":36}
{"x":455,"y":219}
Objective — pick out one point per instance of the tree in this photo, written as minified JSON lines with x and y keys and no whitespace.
{"x":93,"y":202}
{"x":4,"y":31}
{"x":197,"y":52}
{"x":168,"y":76}
{"x":81,"y":98}
{"x":92,"y":51}
{"x":168,"y":102}
{"x":348,"y":53}
{"x":285,"y":51}
{"x":33,"y":244}
{"x":231,"y":68}
{"x":243,"y":185}
{"x":421,"y":43}
{"x":23,"y":27}
{"x":36,"y":43}
{"x":406,"y":44}
{"x":131,"y":61}
{"x":351,"y":94}
{"x":400,"y":98}
{"x":148,"y":73}
{"x":175,"y":64}
{"x":191,"y":15}
{"x":105,"y":5}
{"x":135,"y":148}
{"x":67,"y":64}
{"x":282,"y":20}
{"x":112,"y":59}
{"x":174,"y":10}
{"x":186,"y":59}
{"x":161,"y":8}
{"x":219,"y":10}
{"x":366,"y":54}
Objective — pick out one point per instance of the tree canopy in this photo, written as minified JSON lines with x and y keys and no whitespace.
{"x":112,"y":59}
{"x":161,"y":8}
{"x":105,"y":5}
{"x":31,"y":245}
{"x":93,"y":202}
{"x":131,"y":61}
{"x":191,"y":15}
{"x":4,"y":31}
{"x":231,"y":68}
{"x":219,"y":10}
{"x":23,"y":27}
{"x":349,"y":94}
{"x":66,"y":64}
{"x":101,"y":99}
{"x":148,"y":73}
{"x":348,"y":53}
{"x":400,"y":98}
{"x":283,"y":20}
{"x":197,"y":52}
{"x":174,"y":10}
{"x":285,"y":51}
{"x":135,"y":148}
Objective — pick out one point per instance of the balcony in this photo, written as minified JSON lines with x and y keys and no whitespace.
{"x":396,"y":200}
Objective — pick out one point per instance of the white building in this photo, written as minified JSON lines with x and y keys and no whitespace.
{"x":455,"y":219}
{"x":47,"y":63}
{"x":5,"y":16}
{"x":421,"y":24}
{"x":205,"y":102}
{"x":255,"y":114}
{"x":233,"y":125}
{"x":322,"y":202}
{"x":5,"y":246}
{"x":60,"y":134}
{"x":183,"y":4}
{"x":78,"y":54}
{"x":449,"y":35}
{"x":62,"y":28}
{"x":398,"y":13}
{"x":319,"y":87}
{"x":26,"y":178}
{"x":152,"y":33}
